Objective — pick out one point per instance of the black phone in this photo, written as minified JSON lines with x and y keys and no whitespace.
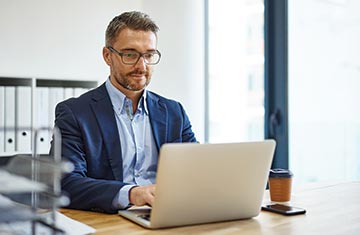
{"x":284,"y":209}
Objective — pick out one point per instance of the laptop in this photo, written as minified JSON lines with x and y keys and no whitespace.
{"x":205,"y":183}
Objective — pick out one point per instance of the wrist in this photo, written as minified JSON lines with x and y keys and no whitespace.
{"x":133,"y":195}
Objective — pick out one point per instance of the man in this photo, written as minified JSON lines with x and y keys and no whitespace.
{"x":113,"y":133}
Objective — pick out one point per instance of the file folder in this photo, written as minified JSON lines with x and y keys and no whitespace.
{"x":68,"y":92}
{"x":2,"y":119}
{"x":42,"y":119}
{"x":56,"y":94}
{"x":23,"y":119}
{"x":79,"y":91}
{"x":10,"y":119}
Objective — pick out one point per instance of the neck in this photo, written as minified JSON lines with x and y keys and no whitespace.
{"x":134,"y":96}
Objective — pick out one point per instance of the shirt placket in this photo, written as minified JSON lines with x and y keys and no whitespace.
{"x":138,"y":149}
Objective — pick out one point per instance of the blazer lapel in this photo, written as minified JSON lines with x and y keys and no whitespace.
{"x":104,"y":113}
{"x":158,"y":115}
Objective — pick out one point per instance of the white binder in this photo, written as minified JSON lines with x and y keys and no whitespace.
{"x":2,"y":119}
{"x":56,"y":95}
{"x":9,"y":119}
{"x":42,"y":119}
{"x":68,"y":92}
{"x":23,"y":118}
{"x":79,"y":91}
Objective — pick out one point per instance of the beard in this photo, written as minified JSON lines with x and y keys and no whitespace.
{"x":131,"y":84}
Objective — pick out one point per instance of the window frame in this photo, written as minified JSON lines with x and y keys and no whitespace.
{"x":276,"y":79}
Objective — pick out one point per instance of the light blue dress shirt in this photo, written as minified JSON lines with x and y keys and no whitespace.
{"x":138,"y":150}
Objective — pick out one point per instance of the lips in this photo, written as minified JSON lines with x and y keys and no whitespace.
{"x":137,"y":75}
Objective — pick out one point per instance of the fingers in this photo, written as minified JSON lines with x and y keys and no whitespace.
{"x":142,"y":195}
{"x":152,"y":195}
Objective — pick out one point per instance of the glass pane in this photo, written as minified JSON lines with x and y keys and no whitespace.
{"x":324,"y":83}
{"x":236,"y":70}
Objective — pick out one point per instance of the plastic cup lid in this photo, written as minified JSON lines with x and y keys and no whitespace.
{"x":280,"y":173}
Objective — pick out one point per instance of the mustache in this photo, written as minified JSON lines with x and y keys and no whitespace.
{"x":137,"y":72}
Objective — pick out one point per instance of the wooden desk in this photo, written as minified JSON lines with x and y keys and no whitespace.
{"x":332,"y":208}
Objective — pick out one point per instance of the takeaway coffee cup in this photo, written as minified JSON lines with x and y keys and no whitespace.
{"x":280,"y":185}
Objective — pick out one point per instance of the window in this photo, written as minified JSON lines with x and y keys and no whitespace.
{"x":324,"y":82}
{"x":235,"y":70}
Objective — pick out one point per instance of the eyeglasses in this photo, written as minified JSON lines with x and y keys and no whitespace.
{"x":132,"y":57}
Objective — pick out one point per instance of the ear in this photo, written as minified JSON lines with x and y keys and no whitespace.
{"x":106,"y":55}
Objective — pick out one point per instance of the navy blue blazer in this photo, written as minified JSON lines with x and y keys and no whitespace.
{"x":90,"y":140}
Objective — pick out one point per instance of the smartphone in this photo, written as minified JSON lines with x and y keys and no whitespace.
{"x":284,"y":209}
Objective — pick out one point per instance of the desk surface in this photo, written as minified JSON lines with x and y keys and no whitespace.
{"x":332,"y":208}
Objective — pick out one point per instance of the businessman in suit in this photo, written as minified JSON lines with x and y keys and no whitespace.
{"x":113,"y":134}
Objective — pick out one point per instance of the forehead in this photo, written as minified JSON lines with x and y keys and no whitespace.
{"x":136,"y":39}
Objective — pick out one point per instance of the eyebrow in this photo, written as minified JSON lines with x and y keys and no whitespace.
{"x":132,"y":49}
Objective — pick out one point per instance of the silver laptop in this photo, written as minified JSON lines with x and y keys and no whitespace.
{"x":204,"y":183}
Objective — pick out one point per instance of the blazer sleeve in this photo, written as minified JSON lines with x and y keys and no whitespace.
{"x":187,"y":133}
{"x":85,"y":192}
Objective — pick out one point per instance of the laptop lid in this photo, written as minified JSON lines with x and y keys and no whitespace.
{"x":203,"y":183}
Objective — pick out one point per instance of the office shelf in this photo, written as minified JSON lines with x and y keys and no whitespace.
{"x":27,"y":103}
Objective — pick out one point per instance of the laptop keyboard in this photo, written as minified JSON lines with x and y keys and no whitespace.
{"x":145,"y":216}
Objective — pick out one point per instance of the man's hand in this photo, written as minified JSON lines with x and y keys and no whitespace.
{"x":142,"y":195}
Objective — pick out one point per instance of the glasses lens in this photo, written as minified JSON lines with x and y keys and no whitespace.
{"x":152,"y":58}
{"x":130,"y":57}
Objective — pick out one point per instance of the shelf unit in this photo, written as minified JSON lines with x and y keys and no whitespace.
{"x":29,"y":103}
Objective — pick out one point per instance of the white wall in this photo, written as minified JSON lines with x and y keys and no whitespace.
{"x":63,"y":39}
{"x":56,"y":39}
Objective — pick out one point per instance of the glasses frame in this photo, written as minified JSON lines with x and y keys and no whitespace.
{"x":121,"y":54}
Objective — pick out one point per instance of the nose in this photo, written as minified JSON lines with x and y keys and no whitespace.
{"x":140,"y":64}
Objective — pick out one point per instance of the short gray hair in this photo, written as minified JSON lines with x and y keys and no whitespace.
{"x":133,"y":20}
